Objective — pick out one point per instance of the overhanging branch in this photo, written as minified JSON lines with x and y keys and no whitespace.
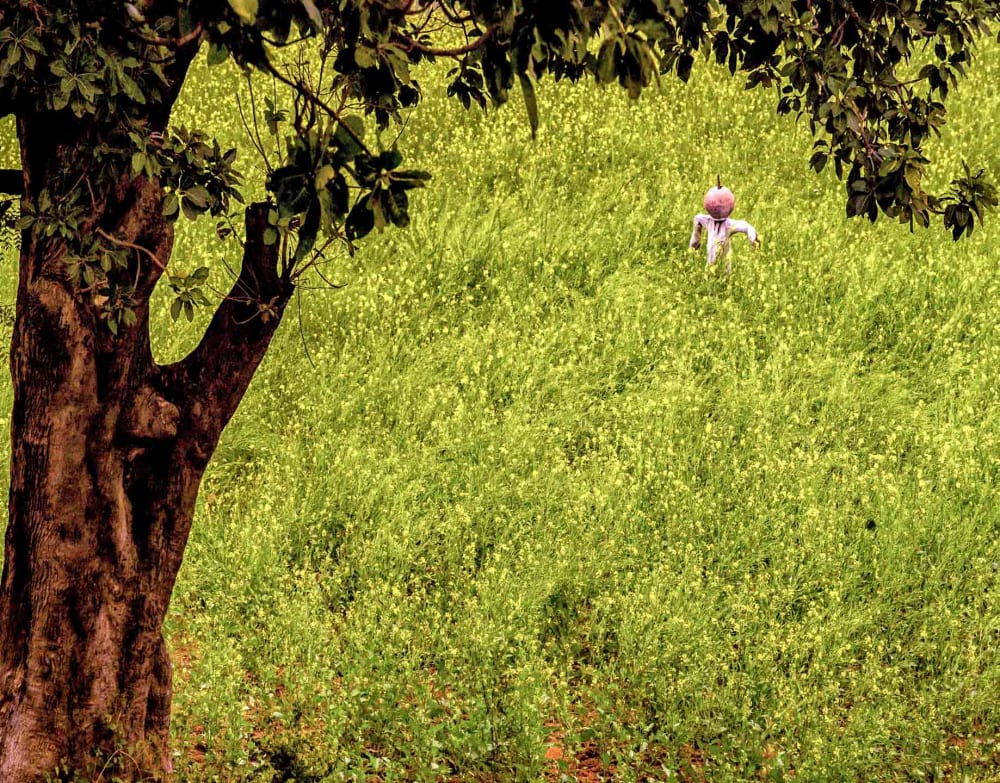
{"x":411,"y":44}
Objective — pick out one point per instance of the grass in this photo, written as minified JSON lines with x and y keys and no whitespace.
{"x":535,"y":498}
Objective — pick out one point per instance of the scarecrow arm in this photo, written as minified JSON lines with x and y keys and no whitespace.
{"x":699,"y":224}
{"x":742,"y":227}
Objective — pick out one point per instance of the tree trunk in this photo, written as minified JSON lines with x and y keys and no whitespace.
{"x":108,"y":451}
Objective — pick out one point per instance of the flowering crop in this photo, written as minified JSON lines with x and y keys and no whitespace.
{"x":532,"y":473}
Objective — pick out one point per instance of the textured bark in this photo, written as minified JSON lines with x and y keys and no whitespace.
{"x":108,"y":451}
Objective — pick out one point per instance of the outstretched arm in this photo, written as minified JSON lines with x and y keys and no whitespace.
{"x":742,"y":227}
{"x":696,"y":232}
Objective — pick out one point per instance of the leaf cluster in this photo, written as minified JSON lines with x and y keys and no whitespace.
{"x":189,"y":291}
{"x":871,"y":79}
{"x":197,"y":177}
{"x":60,"y":57}
{"x":326,"y":170}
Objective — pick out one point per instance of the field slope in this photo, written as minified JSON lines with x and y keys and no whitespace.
{"x":533,"y":497}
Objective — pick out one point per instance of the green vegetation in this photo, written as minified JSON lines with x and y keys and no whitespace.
{"x":535,"y":496}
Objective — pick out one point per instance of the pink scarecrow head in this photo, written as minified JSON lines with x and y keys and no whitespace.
{"x":719,"y":201}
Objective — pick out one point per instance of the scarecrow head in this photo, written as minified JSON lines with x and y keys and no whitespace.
{"x":719,"y":201}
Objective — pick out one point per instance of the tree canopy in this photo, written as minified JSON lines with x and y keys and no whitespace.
{"x":870,"y":78}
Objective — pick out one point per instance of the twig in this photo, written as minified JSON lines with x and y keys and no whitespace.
{"x":140,"y":248}
{"x":452,"y":14}
{"x":168,"y":43}
{"x":459,"y":50}
{"x":301,"y":89}
{"x":302,"y":333}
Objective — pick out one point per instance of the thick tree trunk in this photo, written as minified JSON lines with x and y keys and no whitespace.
{"x":108,"y":451}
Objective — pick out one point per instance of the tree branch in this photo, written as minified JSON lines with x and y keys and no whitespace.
{"x":122,"y":243}
{"x":411,"y":44}
{"x":452,"y":15}
{"x":316,"y":101}
{"x":210,"y":382}
{"x":167,"y":43}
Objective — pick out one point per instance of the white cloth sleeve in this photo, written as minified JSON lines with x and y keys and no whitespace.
{"x":742,"y":227}
{"x":696,"y":232}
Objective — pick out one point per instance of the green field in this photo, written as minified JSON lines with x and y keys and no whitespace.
{"x":533,"y":497}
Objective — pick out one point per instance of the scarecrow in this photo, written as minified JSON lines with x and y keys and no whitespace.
{"x":719,"y":202}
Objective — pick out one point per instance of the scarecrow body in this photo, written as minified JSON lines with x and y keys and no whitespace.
{"x":719,"y":227}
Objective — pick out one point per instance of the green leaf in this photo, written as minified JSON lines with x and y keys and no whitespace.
{"x":684,"y":64}
{"x":171,"y":206}
{"x":315,"y":19}
{"x":390,"y":160}
{"x":308,"y":231}
{"x":186,"y":20}
{"x":398,"y":203}
{"x":61,"y":99}
{"x":349,"y":129}
{"x":323,"y":176}
{"x":131,"y":88}
{"x":58,"y":68}
{"x":338,"y":194}
{"x":379,"y":210}
{"x":175,"y":309}
{"x":408,"y":179}
{"x":530,"y":103}
{"x":273,"y":116}
{"x":606,"y":61}
{"x":198,"y":196}
{"x":217,"y":53}
{"x":364,"y":57}
{"x":246,"y":10}
{"x":361,"y":221}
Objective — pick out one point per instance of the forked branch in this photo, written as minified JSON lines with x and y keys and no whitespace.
{"x":215,"y":376}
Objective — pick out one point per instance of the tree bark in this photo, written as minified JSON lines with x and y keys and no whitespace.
{"x":108,"y":452}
